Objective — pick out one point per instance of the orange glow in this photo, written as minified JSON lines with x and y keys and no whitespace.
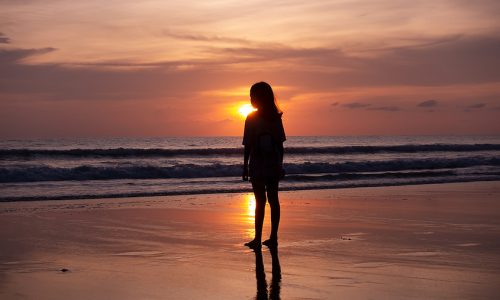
{"x":245,"y":109}
{"x":250,"y":206}
{"x":327,"y":84}
{"x":249,"y":214}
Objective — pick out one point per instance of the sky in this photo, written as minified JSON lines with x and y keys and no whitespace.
{"x":183,"y":68}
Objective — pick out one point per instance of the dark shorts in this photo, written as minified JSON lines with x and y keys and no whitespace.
{"x":267,"y":180}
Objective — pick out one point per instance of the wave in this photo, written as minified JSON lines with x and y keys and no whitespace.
{"x":90,"y":172}
{"x":377,"y":175}
{"x":156,"y":152}
{"x":328,"y":185}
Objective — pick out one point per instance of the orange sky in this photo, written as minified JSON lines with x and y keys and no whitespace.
{"x":156,"y":68}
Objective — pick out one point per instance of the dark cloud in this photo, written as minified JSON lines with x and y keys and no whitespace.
{"x":204,"y":38}
{"x":450,"y":60}
{"x":385,"y":108}
{"x":103,"y":82}
{"x":293,"y":59}
{"x":428,"y":103}
{"x":4,"y":39}
{"x":335,"y":104}
{"x":15,"y":56}
{"x":477,"y":105}
{"x":355,"y":105}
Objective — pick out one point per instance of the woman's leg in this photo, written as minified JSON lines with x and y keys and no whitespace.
{"x":259,"y":190}
{"x":274,"y":203}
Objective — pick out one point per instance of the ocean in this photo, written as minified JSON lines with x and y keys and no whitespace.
{"x":39,"y":169}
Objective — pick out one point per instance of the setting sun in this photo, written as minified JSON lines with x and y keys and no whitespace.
{"x":245,"y":109}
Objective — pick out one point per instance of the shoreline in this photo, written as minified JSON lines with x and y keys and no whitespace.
{"x":238,"y":191}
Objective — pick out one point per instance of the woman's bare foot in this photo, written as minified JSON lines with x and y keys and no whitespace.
{"x":253,"y":244}
{"x":270,"y":243}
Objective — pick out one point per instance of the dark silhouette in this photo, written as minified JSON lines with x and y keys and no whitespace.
{"x":275,"y":288}
{"x":260,"y":276}
{"x":263,"y":159}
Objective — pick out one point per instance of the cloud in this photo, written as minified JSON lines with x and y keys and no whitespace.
{"x":204,"y":37}
{"x":15,"y":56}
{"x":440,"y":62}
{"x":312,"y":69}
{"x":59,"y":82}
{"x":428,"y":103}
{"x":385,"y":108}
{"x":477,"y":105}
{"x":209,"y":47}
{"x":355,"y":105}
{"x":458,"y":60}
{"x":287,"y":57}
{"x":4,"y":39}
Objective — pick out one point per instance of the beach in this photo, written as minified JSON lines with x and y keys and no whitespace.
{"x":434,"y":241}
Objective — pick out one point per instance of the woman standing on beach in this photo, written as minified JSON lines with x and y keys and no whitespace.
{"x":263,"y":159}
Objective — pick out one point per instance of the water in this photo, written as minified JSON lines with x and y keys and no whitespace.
{"x":122,"y":167}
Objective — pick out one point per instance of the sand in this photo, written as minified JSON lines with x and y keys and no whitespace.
{"x":437,"y":241}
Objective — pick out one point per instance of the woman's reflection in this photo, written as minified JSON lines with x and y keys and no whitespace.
{"x":274,"y":289}
{"x":260,"y":275}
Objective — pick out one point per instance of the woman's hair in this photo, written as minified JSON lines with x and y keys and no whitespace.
{"x":263,"y":99}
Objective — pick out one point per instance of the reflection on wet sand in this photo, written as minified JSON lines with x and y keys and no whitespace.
{"x":260,"y":275}
{"x":249,"y":214}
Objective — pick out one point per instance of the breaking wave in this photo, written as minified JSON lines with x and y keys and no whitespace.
{"x":145,"y":171}
{"x":156,"y":152}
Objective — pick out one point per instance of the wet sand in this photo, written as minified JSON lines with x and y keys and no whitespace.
{"x":437,"y":241}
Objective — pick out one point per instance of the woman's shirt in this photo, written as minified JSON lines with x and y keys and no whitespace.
{"x":264,"y":137}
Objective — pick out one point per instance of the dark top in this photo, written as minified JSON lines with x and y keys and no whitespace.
{"x":263,"y":165}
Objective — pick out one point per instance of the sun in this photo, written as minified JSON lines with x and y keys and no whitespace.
{"x":246,"y":109}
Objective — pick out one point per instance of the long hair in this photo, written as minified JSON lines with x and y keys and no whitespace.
{"x":263,"y":99}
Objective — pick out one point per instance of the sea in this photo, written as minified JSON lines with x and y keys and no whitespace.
{"x":41,"y":169}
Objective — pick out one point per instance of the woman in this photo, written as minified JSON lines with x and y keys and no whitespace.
{"x":263,"y":160}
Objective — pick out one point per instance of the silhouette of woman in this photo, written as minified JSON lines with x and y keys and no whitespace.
{"x":263,"y":159}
